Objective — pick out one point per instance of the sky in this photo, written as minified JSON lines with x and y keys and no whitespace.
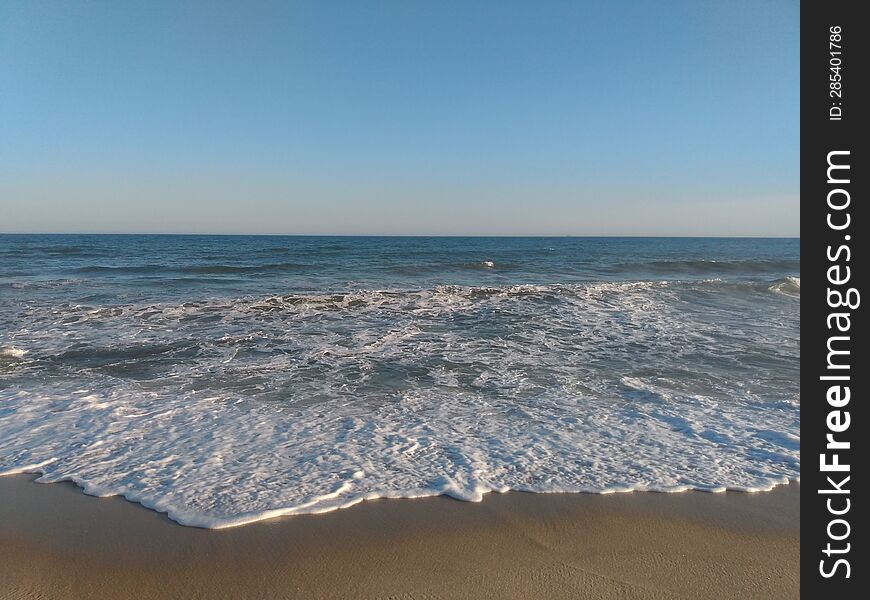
{"x":400,"y":117}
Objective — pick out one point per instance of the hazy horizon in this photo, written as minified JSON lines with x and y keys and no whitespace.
{"x":581,"y":119}
{"x":397,"y":235}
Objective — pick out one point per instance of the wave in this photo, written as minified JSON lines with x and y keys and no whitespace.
{"x":44,"y":284}
{"x":198,"y":269}
{"x":221,"y":269}
{"x":444,"y":298}
{"x":452,"y":294}
{"x":706,"y":267}
{"x":66,"y":250}
{"x":442,"y":267}
{"x":788,"y":286}
{"x":121,"y":269}
{"x":342,"y":496}
{"x":32,"y":251}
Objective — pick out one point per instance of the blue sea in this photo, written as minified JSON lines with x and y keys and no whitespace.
{"x":227,"y":379}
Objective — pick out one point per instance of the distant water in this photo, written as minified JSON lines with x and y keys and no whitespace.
{"x":227,"y":379}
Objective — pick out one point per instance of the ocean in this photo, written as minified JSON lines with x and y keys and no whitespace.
{"x":227,"y":379}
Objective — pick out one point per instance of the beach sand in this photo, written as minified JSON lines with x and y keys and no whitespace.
{"x":55,"y":542}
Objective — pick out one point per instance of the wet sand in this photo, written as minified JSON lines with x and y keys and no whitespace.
{"x":55,"y":542}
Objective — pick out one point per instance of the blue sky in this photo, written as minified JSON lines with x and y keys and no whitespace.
{"x":400,"y":117}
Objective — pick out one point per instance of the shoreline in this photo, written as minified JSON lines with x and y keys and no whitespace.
{"x":57,"y":542}
{"x":34,"y":472}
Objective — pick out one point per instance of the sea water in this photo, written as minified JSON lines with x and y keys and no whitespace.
{"x":226,"y":379}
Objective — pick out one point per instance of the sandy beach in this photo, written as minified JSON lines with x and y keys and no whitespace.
{"x":56,"y":542}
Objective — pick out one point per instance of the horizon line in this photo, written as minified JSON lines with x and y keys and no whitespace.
{"x":402,"y":235}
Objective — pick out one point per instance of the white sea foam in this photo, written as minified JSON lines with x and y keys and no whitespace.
{"x":224,"y":412}
{"x":788,"y":286}
{"x":12,"y":352}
